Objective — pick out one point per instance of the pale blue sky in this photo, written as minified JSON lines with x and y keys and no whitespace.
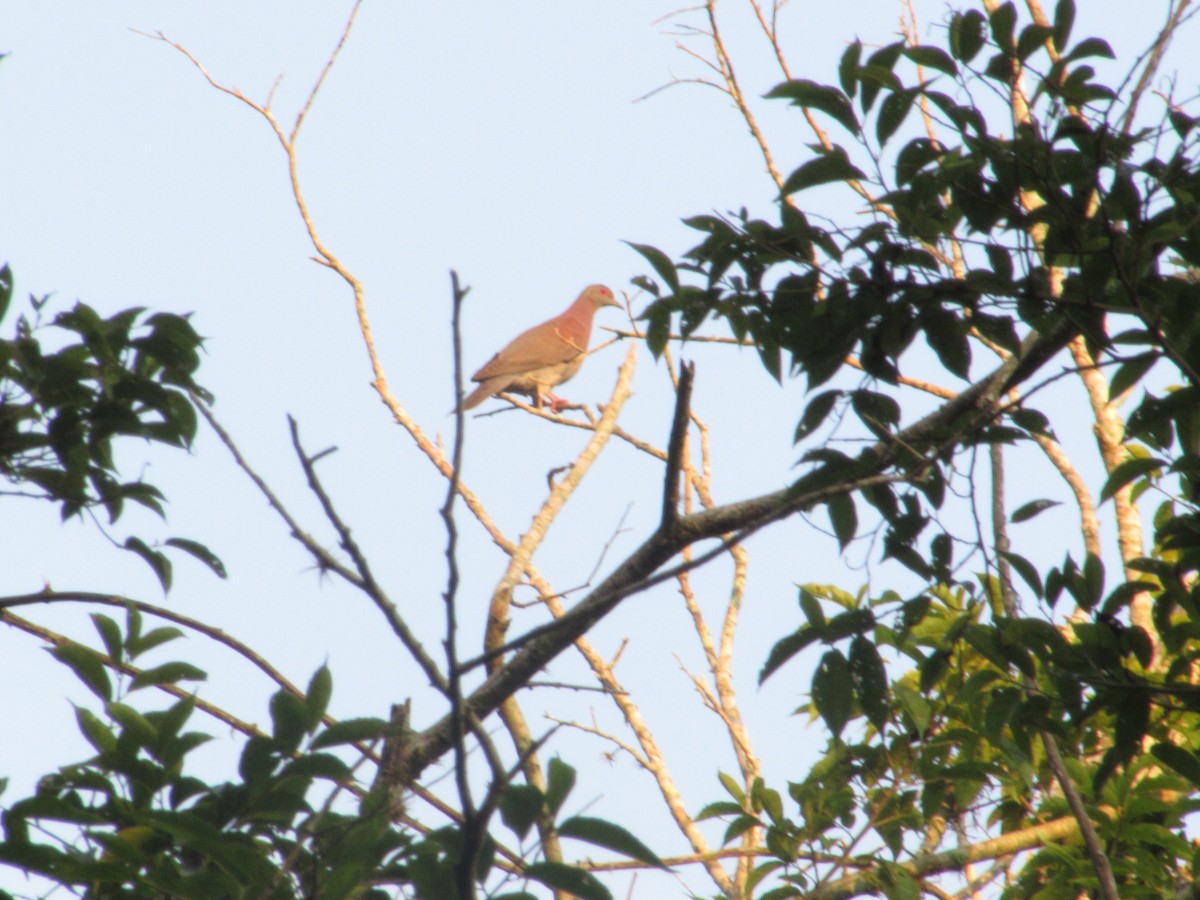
{"x":500,"y":139}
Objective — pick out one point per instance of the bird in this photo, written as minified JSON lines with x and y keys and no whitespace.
{"x":544,"y":356}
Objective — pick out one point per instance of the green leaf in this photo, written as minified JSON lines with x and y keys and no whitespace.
{"x":1131,"y":373}
{"x":98,"y":734}
{"x":200,"y":552}
{"x":110,"y":633}
{"x":832,"y":166}
{"x":811,"y":607}
{"x":967,"y":35}
{"x":560,"y":779}
{"x":1091,"y":47}
{"x":811,"y":95}
{"x":1182,"y":760}
{"x":167,"y":673}
{"x":661,"y":262}
{"x":1129,"y":471}
{"x":156,"y":560}
{"x":289,"y":719}
{"x":848,"y":68}
{"x":785,"y":649}
{"x":1026,"y":570}
{"x":815,"y":413}
{"x":932,"y":57}
{"x":134,"y":723}
{"x":892,"y":113}
{"x":1064,"y":18}
{"x":568,"y":878}
{"x":1033,"y":508}
{"x":316,"y":698}
{"x":1003,"y":21}
{"x":611,"y":836}
{"x":870,"y":681}
{"x":843,"y":517}
{"x":833,"y":691}
{"x":732,"y":787}
{"x":6,"y":289}
{"x":350,"y":731}
{"x":87,"y":666}
{"x":520,"y":806}
{"x":1032,"y":39}
{"x":137,"y":644}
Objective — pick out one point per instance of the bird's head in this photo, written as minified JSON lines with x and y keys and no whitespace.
{"x":598,"y":295}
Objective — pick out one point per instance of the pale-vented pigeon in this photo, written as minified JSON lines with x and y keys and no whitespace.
{"x":544,"y":356}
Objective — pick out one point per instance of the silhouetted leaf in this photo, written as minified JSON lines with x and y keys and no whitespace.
{"x":350,"y":731}
{"x":560,"y":781}
{"x":568,"y":878}
{"x":200,"y":552}
{"x":606,"y":834}
{"x":832,"y":166}
{"x":1129,"y":471}
{"x":87,"y":666}
{"x":833,"y":691}
{"x":811,"y":95}
{"x":1033,"y":508}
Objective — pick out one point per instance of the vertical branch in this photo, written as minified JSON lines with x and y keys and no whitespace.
{"x":472,"y":827}
{"x":683,"y":405}
{"x":1087,"y":829}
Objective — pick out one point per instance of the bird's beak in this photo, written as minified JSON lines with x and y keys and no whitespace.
{"x":612,"y":301}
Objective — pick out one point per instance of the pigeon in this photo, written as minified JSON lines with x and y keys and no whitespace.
{"x":544,"y":356}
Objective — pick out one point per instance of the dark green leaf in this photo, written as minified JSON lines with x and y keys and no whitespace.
{"x":137,"y":644}
{"x":168,"y":673}
{"x":1033,"y":508}
{"x":520,"y":806}
{"x":1129,"y":471}
{"x":156,"y":560}
{"x":110,"y":633}
{"x":97,"y":733}
{"x":1026,"y":570}
{"x":967,"y":34}
{"x":6,"y":288}
{"x":1091,"y":47}
{"x":662,"y":264}
{"x":316,"y":698}
{"x":1131,"y":373}
{"x":815,"y":413}
{"x":870,"y":681}
{"x":933,"y":58}
{"x":1032,"y":39}
{"x":1064,"y":18}
{"x":559,"y":783}
{"x":1003,"y":21}
{"x":200,"y":552}
{"x":289,"y":719}
{"x":848,"y":68}
{"x":843,"y":517}
{"x":810,"y":95}
{"x":87,"y":666}
{"x":606,"y":834}
{"x":892,"y":113}
{"x":568,"y":878}
{"x":350,"y":731}
{"x":832,"y":166}
{"x":833,"y":691}
{"x":811,"y":607}
{"x":785,"y":649}
{"x":1182,"y":760}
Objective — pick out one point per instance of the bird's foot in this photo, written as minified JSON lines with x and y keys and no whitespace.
{"x":559,"y":404}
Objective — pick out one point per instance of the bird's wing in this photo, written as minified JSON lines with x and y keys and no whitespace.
{"x":540,"y":346}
